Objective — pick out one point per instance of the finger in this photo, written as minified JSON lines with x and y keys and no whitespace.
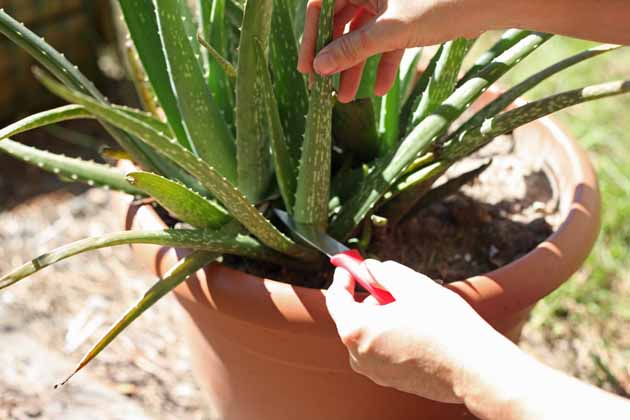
{"x":340,"y":296}
{"x":311,"y":29}
{"x":309,"y":37}
{"x":387,"y":71}
{"x":349,"y":83}
{"x":402,"y":282}
{"x":342,"y":18}
{"x":375,"y":37}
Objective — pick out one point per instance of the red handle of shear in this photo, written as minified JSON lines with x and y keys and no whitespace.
{"x":353,"y":262}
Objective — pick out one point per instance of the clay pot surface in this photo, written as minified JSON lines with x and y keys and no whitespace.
{"x":266,"y":350}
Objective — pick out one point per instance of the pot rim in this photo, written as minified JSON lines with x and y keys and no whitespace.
{"x":498,"y":295}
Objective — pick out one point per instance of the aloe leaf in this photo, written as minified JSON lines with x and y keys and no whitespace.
{"x":390,"y":168}
{"x":69,"y":112}
{"x":252,"y":139}
{"x":299,"y":18}
{"x":507,"y":98}
{"x":510,"y":38}
{"x":216,"y":30}
{"x":191,"y":27}
{"x":477,"y":137}
{"x":175,"y":276}
{"x":222,"y":189}
{"x":182,"y":202}
{"x":77,"y":138}
{"x":93,"y":174}
{"x":415,"y":95}
{"x":285,"y":164}
{"x":289,"y":84}
{"x":217,"y":241}
{"x":416,"y":192}
{"x":72,"y":112}
{"x":146,"y":118}
{"x":442,"y":81}
{"x":408,"y":74}
{"x":143,"y":28}
{"x":227,"y":67}
{"x":234,"y":19}
{"x":51,"y":116}
{"x":141,"y":82}
{"x":313,"y":190}
{"x":209,"y":135}
{"x":354,"y":128}
{"x":70,"y":75}
{"x":389,"y":123}
{"x":368,"y":80}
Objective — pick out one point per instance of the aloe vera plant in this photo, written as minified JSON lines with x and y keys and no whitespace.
{"x":232,"y":130}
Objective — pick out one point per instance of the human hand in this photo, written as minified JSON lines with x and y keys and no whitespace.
{"x":429,"y":342}
{"x":385,"y":27}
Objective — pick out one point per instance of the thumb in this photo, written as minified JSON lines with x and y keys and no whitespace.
{"x":401,"y":281}
{"x":355,"y":47}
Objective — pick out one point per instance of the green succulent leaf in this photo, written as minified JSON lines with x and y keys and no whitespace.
{"x":208,"y":132}
{"x":299,"y":17}
{"x":143,"y":28}
{"x":252,"y":135}
{"x":217,"y":30}
{"x":174,"y":277}
{"x":313,"y":190}
{"x":442,"y":81}
{"x":289,"y":84}
{"x":389,"y":169}
{"x":415,"y":95}
{"x":146,"y":118}
{"x":477,"y":137}
{"x":144,"y":90}
{"x":368,"y":80}
{"x":220,"y":187}
{"x":389,"y":123}
{"x":216,"y":241}
{"x":285,"y":164}
{"x":65,"y":71}
{"x":93,"y":174}
{"x":416,"y":192}
{"x":508,"y":97}
{"x":182,"y":202}
{"x":228,"y":69}
{"x":510,"y":38}
{"x":408,"y":74}
{"x":42,"y":119}
{"x":354,"y":128}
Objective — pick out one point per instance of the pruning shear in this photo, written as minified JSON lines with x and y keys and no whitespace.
{"x":339,"y":254}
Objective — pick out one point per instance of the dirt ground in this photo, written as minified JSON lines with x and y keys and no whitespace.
{"x":48,"y":321}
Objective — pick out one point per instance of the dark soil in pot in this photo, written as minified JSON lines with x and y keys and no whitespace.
{"x":502,"y":215}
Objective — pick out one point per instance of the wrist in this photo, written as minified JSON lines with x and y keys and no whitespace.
{"x":494,"y":385}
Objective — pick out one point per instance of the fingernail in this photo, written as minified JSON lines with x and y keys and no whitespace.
{"x":325,"y":64}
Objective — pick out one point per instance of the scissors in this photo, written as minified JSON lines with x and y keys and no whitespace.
{"x":339,"y":255}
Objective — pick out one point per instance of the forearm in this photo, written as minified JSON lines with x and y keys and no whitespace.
{"x":510,"y":385}
{"x":597,"y":20}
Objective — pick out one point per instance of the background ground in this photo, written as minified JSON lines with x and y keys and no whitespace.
{"x":47,"y":322}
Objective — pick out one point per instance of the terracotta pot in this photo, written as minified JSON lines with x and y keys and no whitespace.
{"x":266,"y":350}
